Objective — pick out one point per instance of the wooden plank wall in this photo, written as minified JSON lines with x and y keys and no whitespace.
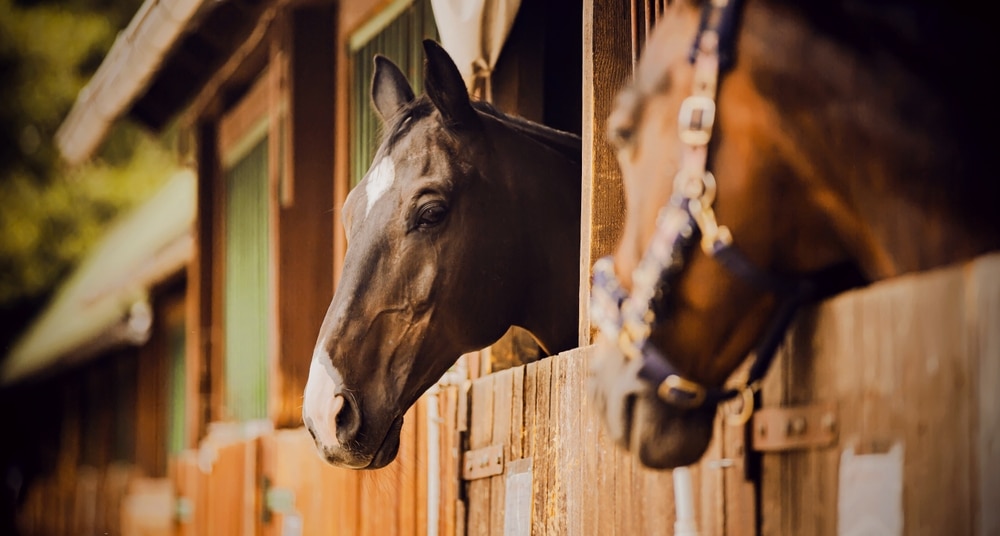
{"x":581,"y":482}
{"x":148,"y":508}
{"x":387,"y":501}
{"x":913,"y":362}
{"x":216,"y":486}
{"x":607,"y":66}
{"x":302,"y":196}
{"x":223,"y":488}
{"x":88,"y":503}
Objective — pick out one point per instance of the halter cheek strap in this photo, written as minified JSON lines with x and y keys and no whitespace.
{"x":629,"y":317}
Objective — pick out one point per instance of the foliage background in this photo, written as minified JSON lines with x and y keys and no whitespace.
{"x":50,"y":214}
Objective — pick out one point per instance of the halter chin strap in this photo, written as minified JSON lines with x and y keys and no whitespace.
{"x":629,"y":316}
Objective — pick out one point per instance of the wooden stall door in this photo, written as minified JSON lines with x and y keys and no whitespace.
{"x":539,"y":462}
{"x":911,"y":366}
{"x":416,"y":494}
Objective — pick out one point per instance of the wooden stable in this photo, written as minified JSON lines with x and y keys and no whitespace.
{"x":908,"y":369}
{"x":558,"y":473}
{"x":911,"y":368}
{"x":897,"y":380}
{"x":273,"y":482}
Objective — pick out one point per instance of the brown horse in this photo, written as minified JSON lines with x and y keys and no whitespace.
{"x":466,"y":223}
{"x":844,"y":133}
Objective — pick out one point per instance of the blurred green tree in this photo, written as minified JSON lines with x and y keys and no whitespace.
{"x":50,"y":214}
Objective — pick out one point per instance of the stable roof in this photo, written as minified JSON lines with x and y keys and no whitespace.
{"x":104,"y":303}
{"x":156,"y":67}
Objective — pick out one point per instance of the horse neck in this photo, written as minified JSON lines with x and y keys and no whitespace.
{"x":545,"y":174}
{"x":907,"y":183}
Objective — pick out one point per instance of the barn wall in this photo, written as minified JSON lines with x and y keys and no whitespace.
{"x":303,"y":199}
{"x":86,"y":449}
{"x":613,"y":34}
{"x":561,"y":474}
{"x":912,"y":367}
{"x":272,"y":482}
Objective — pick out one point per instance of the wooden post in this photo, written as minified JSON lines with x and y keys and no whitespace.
{"x":302,"y":197}
{"x":607,"y":65}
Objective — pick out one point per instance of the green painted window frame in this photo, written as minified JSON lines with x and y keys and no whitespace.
{"x":247,"y":278}
{"x":397,"y":33}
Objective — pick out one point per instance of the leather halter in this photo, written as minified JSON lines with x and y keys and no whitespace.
{"x":629,"y":318}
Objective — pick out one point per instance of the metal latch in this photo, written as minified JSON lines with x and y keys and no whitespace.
{"x":277,"y":500}
{"x":790,"y":428}
{"x":483,"y":462}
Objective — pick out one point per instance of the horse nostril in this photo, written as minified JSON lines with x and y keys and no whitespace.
{"x":347,"y":420}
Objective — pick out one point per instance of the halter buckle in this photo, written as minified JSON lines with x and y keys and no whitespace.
{"x":680,"y":392}
{"x":696,"y":119}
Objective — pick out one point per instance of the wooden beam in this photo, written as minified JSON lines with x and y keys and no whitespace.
{"x":607,"y":65}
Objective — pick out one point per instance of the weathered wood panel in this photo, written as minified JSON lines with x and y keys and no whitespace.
{"x":303,"y":197}
{"x":912,"y":365}
{"x":303,"y":491}
{"x":581,"y":483}
{"x":190,"y":498}
{"x":86,"y":501}
{"x":147,"y":509}
{"x":230,"y":480}
{"x":607,"y":65}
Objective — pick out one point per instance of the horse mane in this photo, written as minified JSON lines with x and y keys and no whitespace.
{"x":565,"y":143}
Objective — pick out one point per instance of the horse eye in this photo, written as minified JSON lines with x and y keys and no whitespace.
{"x":620,"y":136}
{"x":431,"y":214}
{"x":621,"y":121}
{"x":620,"y":130}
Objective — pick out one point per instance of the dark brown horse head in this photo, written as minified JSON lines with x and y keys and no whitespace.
{"x":844,"y":135}
{"x":466,"y":223}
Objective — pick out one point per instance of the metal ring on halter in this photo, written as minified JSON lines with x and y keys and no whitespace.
{"x":680,"y":392}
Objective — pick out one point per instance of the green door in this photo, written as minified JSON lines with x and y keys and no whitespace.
{"x":247,"y":283}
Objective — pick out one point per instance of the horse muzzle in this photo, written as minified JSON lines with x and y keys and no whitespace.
{"x":355,"y":454}
{"x":660,"y":435}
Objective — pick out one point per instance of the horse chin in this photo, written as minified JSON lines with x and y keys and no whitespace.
{"x":389,"y":448}
{"x":664,"y":437}
{"x":383,"y":454}
{"x":661,"y":436}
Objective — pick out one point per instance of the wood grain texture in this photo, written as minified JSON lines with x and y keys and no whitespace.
{"x":581,"y":482}
{"x":301,"y":198}
{"x":607,"y":65}
{"x":502,"y":386}
{"x":543,"y":472}
{"x":480,"y":435}
{"x":983,"y":307}
{"x":449,"y":461}
{"x":908,"y":362}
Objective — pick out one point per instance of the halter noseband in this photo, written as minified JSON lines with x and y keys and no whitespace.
{"x":629,"y":317}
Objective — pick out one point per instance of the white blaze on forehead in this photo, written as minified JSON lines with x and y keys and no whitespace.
{"x":322,"y":399}
{"x":380,"y":178}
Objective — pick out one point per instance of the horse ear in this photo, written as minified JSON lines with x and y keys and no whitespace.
{"x":390,"y":89}
{"x":445,"y":87}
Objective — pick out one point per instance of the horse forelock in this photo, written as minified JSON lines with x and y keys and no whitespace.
{"x":401,"y":125}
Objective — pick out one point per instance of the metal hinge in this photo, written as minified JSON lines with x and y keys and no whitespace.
{"x":790,"y":428}
{"x":483,"y":462}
